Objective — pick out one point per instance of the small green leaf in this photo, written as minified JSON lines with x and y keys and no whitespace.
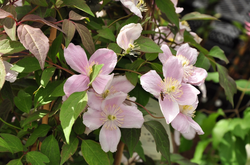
{"x":13,"y":142}
{"x":95,"y":72}
{"x":218,"y":53}
{"x":70,"y":111}
{"x":115,"y":47}
{"x":68,"y":150}
{"x":93,"y":154}
{"x":10,"y":47}
{"x":160,"y":136}
{"x":22,"y":67}
{"x":132,"y":77}
{"x":218,"y":131}
{"x":201,"y":146}
{"x":23,"y":101}
{"x":15,"y":162}
{"x":34,"y":116}
{"x":36,"y":158}
{"x":213,"y":76}
{"x":106,"y":33}
{"x":46,"y":75}
{"x":197,"y":16}
{"x":58,"y":90}
{"x":243,"y":85}
{"x":50,"y":148}
{"x":147,"y":45}
{"x":80,"y":4}
{"x":227,"y":83}
{"x":2,"y":73}
{"x":131,"y":138}
{"x":151,"y":56}
{"x":202,"y":61}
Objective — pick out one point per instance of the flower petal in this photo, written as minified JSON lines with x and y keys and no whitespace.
{"x":190,"y":135}
{"x":198,"y":77}
{"x":104,"y":56}
{"x":173,"y":68}
{"x":94,"y":99}
{"x":166,"y":53}
{"x":75,"y":83}
{"x":91,"y":119}
{"x":109,"y":139}
{"x":133,"y":118}
{"x":76,"y":57}
{"x":177,"y":137}
{"x":189,"y":95}
{"x":180,"y":123}
{"x":114,"y":99}
{"x":195,"y":125}
{"x":11,"y":75}
{"x":131,"y":5}
{"x":100,"y":82}
{"x":121,"y":83}
{"x":151,"y":83}
{"x":169,"y":109}
{"x":190,"y":53}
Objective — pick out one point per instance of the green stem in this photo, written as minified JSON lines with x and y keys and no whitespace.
{"x":128,"y":70}
{"x":120,"y":19}
{"x":9,"y":124}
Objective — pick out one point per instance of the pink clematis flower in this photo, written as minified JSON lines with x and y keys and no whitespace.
{"x":11,"y":75}
{"x":171,"y":92}
{"x":111,"y":115}
{"x":177,"y":9}
{"x":127,"y":35}
{"x":135,"y":6}
{"x":247,"y":26}
{"x":77,"y":59}
{"x":188,"y":57}
{"x":184,"y":122}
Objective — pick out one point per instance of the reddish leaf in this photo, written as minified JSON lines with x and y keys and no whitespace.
{"x":69,"y":29}
{"x":35,"y":41}
{"x":86,"y":37}
{"x":5,"y":14}
{"x":36,"y":18}
{"x":74,"y":16}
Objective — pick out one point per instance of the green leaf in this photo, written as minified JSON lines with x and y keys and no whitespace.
{"x":68,"y":150}
{"x":177,"y":158}
{"x":79,"y":4}
{"x":2,"y":73}
{"x":147,"y":45}
{"x":95,"y":72}
{"x":40,"y":131}
{"x":167,"y":7}
{"x":10,"y":47}
{"x":34,"y":116}
{"x":106,"y":33}
{"x":157,"y":67}
{"x":75,"y":16}
{"x":69,"y":29}
{"x":141,"y":95}
{"x":55,"y":47}
{"x":58,"y":90}
{"x":139,"y":150}
{"x":218,"y":132}
{"x":13,"y":142}
{"x":70,"y":111}
{"x":132,"y":77}
{"x":202,"y":61}
{"x":22,"y":67}
{"x":50,"y":148}
{"x":160,"y":136}
{"x":115,"y":47}
{"x":46,"y":75}
{"x":131,"y":138}
{"x":197,"y":16}
{"x":93,"y":154}
{"x":218,"y":53}
{"x":36,"y":158}
{"x":213,"y":76}
{"x":201,"y":146}
{"x":23,"y":101}
{"x":15,"y":162}
{"x":79,"y":127}
{"x":227,"y":83}
{"x":4,"y":146}
{"x":39,"y":2}
{"x":243,"y":85}
{"x":151,"y":56}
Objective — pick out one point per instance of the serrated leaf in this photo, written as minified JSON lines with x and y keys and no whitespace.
{"x":131,"y":138}
{"x":4,"y":145}
{"x":132,"y":77}
{"x":86,"y":38}
{"x":50,"y":148}
{"x":4,"y":14}
{"x":95,"y":72}
{"x":93,"y":154}
{"x":22,"y":67}
{"x":13,"y":142}
{"x":15,"y":162}
{"x":115,"y":47}
{"x":74,"y":16}
{"x":2,"y":73}
{"x":197,"y":16}
{"x":160,"y":136}
{"x":10,"y":47}
{"x":70,"y":111}
{"x":69,"y":29}
{"x":151,"y":56}
{"x":46,"y":75}
{"x":35,"y":41}
{"x":34,"y":116}
{"x":168,"y":8}
{"x":23,"y":101}
{"x":218,"y":53}
{"x":68,"y":150}
{"x":147,"y":45}
{"x":36,"y":158}
{"x":40,"y":131}
{"x":202,"y":61}
{"x":227,"y":83}
{"x":106,"y":33}
{"x":79,"y":4}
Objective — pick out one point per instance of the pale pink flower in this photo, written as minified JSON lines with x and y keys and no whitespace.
{"x":247,"y":26}
{"x":77,"y":59}
{"x":171,"y":92}
{"x":11,"y":75}
{"x":188,"y":57}
{"x":177,"y":9}
{"x":111,"y":115}
{"x":127,"y":35}
{"x":135,"y":6}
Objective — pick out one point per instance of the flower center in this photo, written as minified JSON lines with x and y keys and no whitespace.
{"x":111,"y":117}
{"x":171,"y":88}
{"x":183,"y":59}
{"x":141,"y":5}
{"x":89,"y":69}
{"x":188,"y":110}
{"x":132,"y":48}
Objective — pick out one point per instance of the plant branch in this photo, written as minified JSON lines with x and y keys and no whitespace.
{"x":59,"y":67}
{"x":128,"y":70}
{"x":9,"y":124}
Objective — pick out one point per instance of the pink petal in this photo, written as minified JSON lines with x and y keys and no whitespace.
{"x":114,"y":99}
{"x":104,"y":56}
{"x":94,"y":99}
{"x":177,"y":137}
{"x":76,"y":57}
{"x":87,"y":130}
{"x":195,"y":125}
{"x":109,"y":139}
{"x":189,"y":95}
{"x":133,"y":118}
{"x":173,"y":68}
{"x":169,"y":109}
{"x":92,"y":119}
{"x":190,"y":135}
{"x":151,"y":83}
{"x":198,"y":77}
{"x":166,"y":53}
{"x":100,"y":82}
{"x":11,"y":75}
{"x":121,"y":83}
{"x":179,"y":9}
{"x":76,"y":83}
{"x":180,"y":123}
{"x":131,"y":5}
{"x":188,"y":52}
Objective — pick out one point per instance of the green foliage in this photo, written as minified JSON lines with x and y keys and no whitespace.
{"x":23,"y":101}
{"x":36,"y":158}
